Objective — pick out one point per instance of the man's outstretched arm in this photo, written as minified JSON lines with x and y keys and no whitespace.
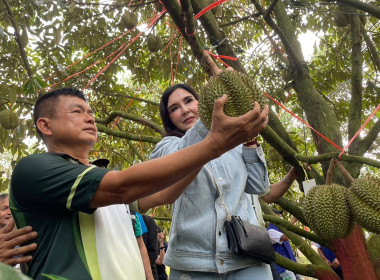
{"x":154,"y":175}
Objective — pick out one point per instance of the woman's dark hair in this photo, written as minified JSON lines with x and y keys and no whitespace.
{"x":170,"y":128}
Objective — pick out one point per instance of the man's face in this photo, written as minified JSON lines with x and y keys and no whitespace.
{"x":73,"y":123}
{"x":5,"y":212}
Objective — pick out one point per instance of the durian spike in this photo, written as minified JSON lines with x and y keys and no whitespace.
{"x":344,"y":171}
{"x":330,"y":172}
{"x":211,"y":65}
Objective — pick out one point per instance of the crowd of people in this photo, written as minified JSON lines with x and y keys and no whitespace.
{"x":80,"y":209}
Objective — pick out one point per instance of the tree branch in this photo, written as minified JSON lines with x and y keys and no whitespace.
{"x":288,"y":45}
{"x":371,"y":47}
{"x":129,"y":136}
{"x":281,"y":222}
{"x":132,"y":117}
{"x":368,"y":140}
{"x":216,"y":36}
{"x":18,"y":39}
{"x":366,"y":7}
{"x":138,"y":99}
{"x":306,"y":269}
{"x":298,"y":241}
{"x":175,"y":12}
{"x":292,"y":208}
{"x":356,"y":102}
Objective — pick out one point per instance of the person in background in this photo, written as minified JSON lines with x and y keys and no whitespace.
{"x":5,"y":211}
{"x":330,"y":259}
{"x":162,"y":247}
{"x":151,"y":242}
{"x":282,"y":246}
{"x":144,"y":253}
{"x":11,"y":252}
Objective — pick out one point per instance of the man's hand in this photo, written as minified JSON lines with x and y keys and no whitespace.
{"x":160,"y":237}
{"x":335,"y":264}
{"x":10,"y":238}
{"x":228,"y":132}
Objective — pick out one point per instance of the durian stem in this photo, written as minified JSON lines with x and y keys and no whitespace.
{"x":344,"y":171}
{"x":322,"y":272}
{"x":330,"y":172}
{"x":353,"y":256}
{"x":211,"y":65}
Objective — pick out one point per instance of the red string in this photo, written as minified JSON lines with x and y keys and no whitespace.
{"x":301,"y":120}
{"x":171,"y":64}
{"x":154,"y":211}
{"x":361,"y":128}
{"x":179,"y":52}
{"x":91,"y":53}
{"x":88,"y":67}
{"x":109,"y":64}
{"x":191,"y":34}
{"x":123,"y":50}
{"x":219,"y":57}
{"x":209,"y":7}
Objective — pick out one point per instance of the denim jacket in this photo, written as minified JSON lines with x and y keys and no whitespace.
{"x":197,"y":236}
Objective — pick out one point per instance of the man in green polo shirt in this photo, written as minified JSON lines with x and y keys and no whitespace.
{"x":84,"y":229}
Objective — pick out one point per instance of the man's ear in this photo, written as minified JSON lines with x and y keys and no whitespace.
{"x":43,"y":125}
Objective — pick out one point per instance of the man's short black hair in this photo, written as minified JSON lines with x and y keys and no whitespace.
{"x":45,"y":104}
{"x":3,"y":195}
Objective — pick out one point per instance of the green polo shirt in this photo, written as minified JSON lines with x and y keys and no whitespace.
{"x":52,"y":194}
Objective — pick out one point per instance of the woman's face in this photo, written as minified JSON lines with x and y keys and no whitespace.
{"x":183,"y":109}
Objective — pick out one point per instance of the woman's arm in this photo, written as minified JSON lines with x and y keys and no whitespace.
{"x":278,"y":189}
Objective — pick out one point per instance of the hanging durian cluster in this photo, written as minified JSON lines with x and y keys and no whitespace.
{"x":332,"y":210}
{"x":327,"y":211}
{"x":9,"y":119}
{"x":154,"y":43}
{"x":364,"y":199}
{"x":129,"y":20}
{"x":241,"y":90}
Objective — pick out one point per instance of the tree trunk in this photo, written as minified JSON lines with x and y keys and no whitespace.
{"x":324,"y":274}
{"x":353,"y":256}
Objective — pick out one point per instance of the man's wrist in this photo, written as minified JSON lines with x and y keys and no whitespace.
{"x":163,"y":247}
{"x":287,"y":180}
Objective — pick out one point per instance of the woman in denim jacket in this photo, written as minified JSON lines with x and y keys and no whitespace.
{"x":198,"y":245}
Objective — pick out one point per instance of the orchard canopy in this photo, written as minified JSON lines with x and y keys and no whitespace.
{"x":317,"y":62}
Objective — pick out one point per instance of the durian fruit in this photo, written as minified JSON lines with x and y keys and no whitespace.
{"x":241,"y":90}
{"x":326,"y":210}
{"x":129,"y":20}
{"x":364,"y":199}
{"x":340,"y":18}
{"x":373,"y":247}
{"x":154,"y":43}
{"x":9,"y":119}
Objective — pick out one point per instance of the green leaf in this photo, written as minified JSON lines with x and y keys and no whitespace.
{"x":9,"y":273}
{"x":54,"y":277}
